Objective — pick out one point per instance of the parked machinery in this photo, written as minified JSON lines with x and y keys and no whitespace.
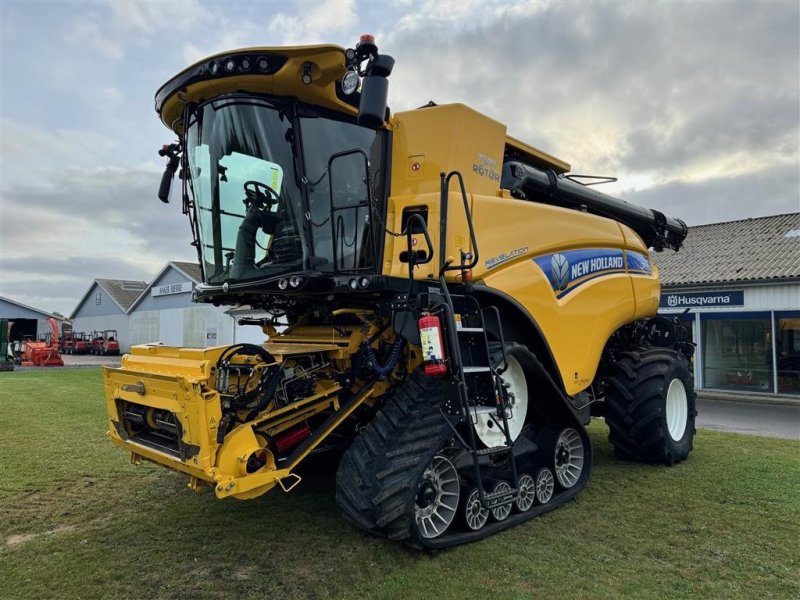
{"x":444,"y":301}
{"x":43,"y":352}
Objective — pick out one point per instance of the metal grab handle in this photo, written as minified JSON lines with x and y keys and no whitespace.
{"x":445,"y":191}
{"x":424,"y":226}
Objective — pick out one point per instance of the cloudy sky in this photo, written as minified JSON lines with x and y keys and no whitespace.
{"x":695,"y":107}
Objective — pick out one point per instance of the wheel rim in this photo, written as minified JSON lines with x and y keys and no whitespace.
{"x":487,"y":430}
{"x":569,"y":457}
{"x":544,"y":486}
{"x":501,"y":512}
{"x":437,"y":498}
{"x":527,"y":493}
{"x":677,"y":409}
{"x":475,"y":515}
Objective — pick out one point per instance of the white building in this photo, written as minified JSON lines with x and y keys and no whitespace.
{"x":105,"y":306}
{"x":740,"y":281}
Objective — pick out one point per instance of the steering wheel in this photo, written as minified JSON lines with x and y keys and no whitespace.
{"x":259,"y":195}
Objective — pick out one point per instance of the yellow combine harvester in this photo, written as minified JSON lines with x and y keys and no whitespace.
{"x":448,"y":305}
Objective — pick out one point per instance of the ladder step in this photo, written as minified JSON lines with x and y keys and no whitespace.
{"x":483,"y":410}
{"x":477,"y":370}
{"x":493,"y":450}
{"x":471,"y":330}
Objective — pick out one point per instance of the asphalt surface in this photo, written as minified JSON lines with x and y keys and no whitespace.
{"x":89,"y":360}
{"x":768,"y":420}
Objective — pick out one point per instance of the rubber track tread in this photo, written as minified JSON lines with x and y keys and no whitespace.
{"x":388,"y":447}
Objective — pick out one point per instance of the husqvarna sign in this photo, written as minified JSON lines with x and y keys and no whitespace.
{"x":720,"y":299}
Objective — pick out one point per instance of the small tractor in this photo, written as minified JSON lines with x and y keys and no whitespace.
{"x":447,"y":305}
{"x":104,"y":343}
{"x":75,"y":342}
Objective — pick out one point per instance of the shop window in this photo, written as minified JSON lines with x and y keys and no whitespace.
{"x":737,"y":352}
{"x":787,"y":352}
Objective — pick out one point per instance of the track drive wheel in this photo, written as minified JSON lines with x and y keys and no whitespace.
{"x":395,"y":472}
{"x":651,"y":406}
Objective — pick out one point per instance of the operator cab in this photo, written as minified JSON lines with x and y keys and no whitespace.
{"x":283,"y":176}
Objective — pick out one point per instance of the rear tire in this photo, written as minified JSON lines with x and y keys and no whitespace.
{"x":651,"y":406}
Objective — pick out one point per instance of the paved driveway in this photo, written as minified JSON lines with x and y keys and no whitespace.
{"x":771,"y":420}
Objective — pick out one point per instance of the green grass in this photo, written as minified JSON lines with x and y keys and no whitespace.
{"x":78,"y":521}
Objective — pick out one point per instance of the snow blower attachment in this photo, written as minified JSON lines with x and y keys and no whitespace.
{"x":442,"y":307}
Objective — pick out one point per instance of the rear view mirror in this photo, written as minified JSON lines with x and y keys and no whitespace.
{"x":375,"y":91}
{"x":172,"y":151}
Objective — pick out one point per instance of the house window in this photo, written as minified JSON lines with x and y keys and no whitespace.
{"x":98,"y":297}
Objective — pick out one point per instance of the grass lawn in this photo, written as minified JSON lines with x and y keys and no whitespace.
{"x":78,"y":521}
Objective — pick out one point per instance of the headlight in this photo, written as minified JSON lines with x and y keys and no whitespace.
{"x":295,"y":281}
{"x":353,"y":284}
{"x":350,"y":82}
{"x":363,"y":282}
{"x":283,"y":283}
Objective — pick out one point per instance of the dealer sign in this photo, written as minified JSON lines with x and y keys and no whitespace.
{"x":720,"y":299}
{"x":172,"y":288}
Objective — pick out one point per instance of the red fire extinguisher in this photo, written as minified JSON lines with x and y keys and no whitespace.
{"x":430,"y":335}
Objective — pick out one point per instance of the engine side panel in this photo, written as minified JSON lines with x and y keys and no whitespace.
{"x":578,"y":275}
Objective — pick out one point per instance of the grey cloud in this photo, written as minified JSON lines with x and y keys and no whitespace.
{"x":678,"y":82}
{"x":77,"y":267}
{"x":769,"y":192}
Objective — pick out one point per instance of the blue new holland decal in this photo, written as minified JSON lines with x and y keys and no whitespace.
{"x":567,"y":270}
{"x":638,"y":262}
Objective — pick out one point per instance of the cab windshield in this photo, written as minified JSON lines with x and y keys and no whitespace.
{"x":269,"y":197}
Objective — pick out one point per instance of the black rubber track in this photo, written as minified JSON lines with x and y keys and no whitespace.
{"x":414,"y":403}
{"x":636,"y":405}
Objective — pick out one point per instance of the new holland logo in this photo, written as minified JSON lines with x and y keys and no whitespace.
{"x":559,"y":271}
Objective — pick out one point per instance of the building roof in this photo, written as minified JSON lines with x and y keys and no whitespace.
{"x":123,"y":292}
{"x":190,"y":270}
{"x":36,"y":310}
{"x":759,"y":249}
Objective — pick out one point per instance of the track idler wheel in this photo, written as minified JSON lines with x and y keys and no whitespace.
{"x":527,"y":493}
{"x":544,"y":486}
{"x":501,"y":512}
{"x":475,"y":515}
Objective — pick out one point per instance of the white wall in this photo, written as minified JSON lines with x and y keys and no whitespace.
{"x":191,"y":327}
{"x":118,"y":322}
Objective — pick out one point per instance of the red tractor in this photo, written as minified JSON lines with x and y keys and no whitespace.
{"x":105,"y":342}
{"x":75,"y":343}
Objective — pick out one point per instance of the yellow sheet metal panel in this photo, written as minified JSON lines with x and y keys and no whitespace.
{"x":511,"y":230}
{"x":327,"y":67}
{"x":396,"y":248}
{"x":537,"y":157}
{"x":576,"y":326}
{"x":450,"y":137}
{"x":578,"y":320}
